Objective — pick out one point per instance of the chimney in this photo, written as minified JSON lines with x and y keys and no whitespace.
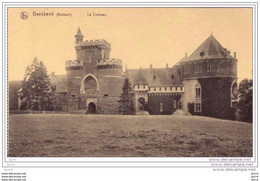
{"x":166,"y":65}
{"x":235,"y":55}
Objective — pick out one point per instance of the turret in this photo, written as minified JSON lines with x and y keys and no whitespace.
{"x":79,"y":37}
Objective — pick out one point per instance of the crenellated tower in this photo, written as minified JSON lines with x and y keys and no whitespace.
{"x":90,"y":52}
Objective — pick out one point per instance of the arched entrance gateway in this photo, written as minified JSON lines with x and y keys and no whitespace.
{"x":91,"y":108}
{"x":90,"y":92}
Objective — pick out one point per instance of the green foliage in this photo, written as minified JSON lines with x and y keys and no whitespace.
{"x":245,"y":103}
{"x":36,"y":92}
{"x":126,"y":103}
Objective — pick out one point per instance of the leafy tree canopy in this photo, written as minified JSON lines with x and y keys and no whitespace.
{"x":245,"y":103}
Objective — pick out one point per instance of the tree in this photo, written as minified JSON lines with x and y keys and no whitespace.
{"x":245,"y":103}
{"x":126,"y":103}
{"x":36,"y":92}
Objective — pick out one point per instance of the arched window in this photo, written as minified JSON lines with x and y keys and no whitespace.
{"x":234,"y":91}
{"x":198,"y":90}
{"x":209,"y":68}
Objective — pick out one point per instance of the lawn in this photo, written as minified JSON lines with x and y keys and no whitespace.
{"x":66,"y":135}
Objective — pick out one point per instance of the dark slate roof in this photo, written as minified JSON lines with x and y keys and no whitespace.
{"x":140,"y":78}
{"x":211,"y":48}
{"x":184,"y":59}
{"x":60,"y":81}
{"x":79,"y":32}
{"x":163,"y":76}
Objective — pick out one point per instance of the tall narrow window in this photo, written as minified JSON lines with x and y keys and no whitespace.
{"x":185,"y":70}
{"x":196,"y":69}
{"x":198,"y":90}
{"x":174,"y":104}
{"x":161,"y":107}
{"x":209,"y":68}
{"x":138,"y":86}
{"x":179,"y":105}
{"x":144,"y":86}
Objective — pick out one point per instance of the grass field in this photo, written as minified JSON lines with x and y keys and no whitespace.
{"x":139,"y":136}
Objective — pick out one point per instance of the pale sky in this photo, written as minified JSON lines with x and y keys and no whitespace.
{"x":138,"y":36}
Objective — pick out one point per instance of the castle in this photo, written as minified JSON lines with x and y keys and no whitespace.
{"x":204,"y":83}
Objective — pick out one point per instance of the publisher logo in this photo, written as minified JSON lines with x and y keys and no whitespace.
{"x":24,"y":15}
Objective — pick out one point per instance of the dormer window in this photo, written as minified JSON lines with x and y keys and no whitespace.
{"x":201,"y":53}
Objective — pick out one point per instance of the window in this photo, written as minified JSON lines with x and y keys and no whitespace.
{"x":165,"y":88}
{"x":144,"y":86}
{"x":181,"y":88}
{"x":198,"y":90}
{"x":201,"y":54}
{"x":196,"y":69}
{"x":161,"y":107}
{"x":154,"y":89}
{"x":185,"y":70}
{"x":197,"y":107}
{"x":106,"y":95}
{"x":174,"y":104}
{"x":171,"y":88}
{"x":176,"y":88}
{"x":172,"y":76}
{"x":234,"y":91}
{"x":179,"y":105}
{"x":160,"y":88}
{"x":154,"y":77}
{"x":209,"y":68}
{"x":138,"y":86}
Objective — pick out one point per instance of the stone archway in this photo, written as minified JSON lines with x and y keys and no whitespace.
{"x":92,"y":109}
{"x":141,"y":103}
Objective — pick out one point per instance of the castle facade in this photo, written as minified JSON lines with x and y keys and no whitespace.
{"x":204,"y":83}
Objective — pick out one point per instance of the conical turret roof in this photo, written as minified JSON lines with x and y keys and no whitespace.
{"x":79,"y":32}
{"x":210,"y":48}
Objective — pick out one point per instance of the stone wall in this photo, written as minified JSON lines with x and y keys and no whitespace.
{"x":219,"y":68}
{"x":167,"y":102}
{"x":216,"y":98}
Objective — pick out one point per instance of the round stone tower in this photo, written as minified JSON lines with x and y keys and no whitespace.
{"x":209,"y":76}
